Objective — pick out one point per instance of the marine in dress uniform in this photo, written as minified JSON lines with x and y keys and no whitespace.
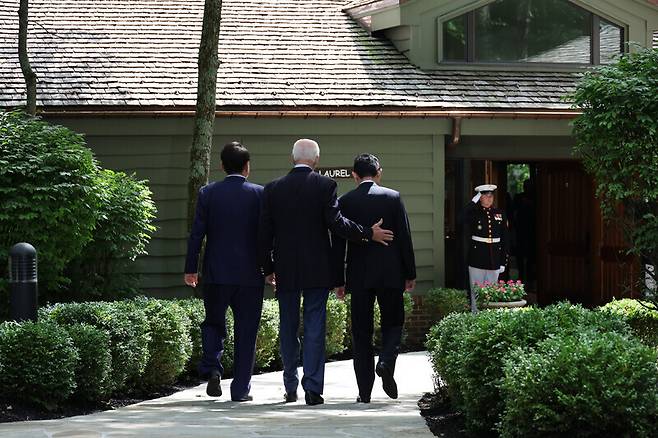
{"x":488,"y":246}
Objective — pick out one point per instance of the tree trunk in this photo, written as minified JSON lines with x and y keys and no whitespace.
{"x":28,"y":73}
{"x":204,"y":119}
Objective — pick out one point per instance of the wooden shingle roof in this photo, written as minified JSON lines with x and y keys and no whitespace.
{"x":273,"y":54}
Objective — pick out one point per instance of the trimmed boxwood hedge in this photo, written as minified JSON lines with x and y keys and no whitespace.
{"x":169,"y":346}
{"x":126,"y":324}
{"x":468,"y":352}
{"x":196,"y":314}
{"x":643,"y":319}
{"x":584,"y":385}
{"x":94,"y":367}
{"x":38,"y":363}
{"x":267,"y":341}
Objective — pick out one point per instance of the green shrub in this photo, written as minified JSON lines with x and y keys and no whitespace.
{"x":122,"y":231}
{"x":267,"y":342}
{"x":196,"y":313}
{"x":643,"y":320}
{"x":126,"y":324}
{"x":440,"y":302}
{"x":93,"y":369}
{"x":38,"y":363}
{"x":589,"y":385}
{"x":336,"y":326}
{"x":170,"y":345}
{"x":474,"y":348}
{"x":48,"y":195}
{"x":229,"y":350}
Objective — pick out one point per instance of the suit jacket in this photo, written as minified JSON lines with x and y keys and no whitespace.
{"x":227,"y":215}
{"x":297,"y":213}
{"x":370,"y":264}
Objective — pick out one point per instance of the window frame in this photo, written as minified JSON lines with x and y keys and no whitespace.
{"x":595,"y":43}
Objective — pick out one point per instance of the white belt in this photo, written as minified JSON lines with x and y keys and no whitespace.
{"x":486,"y":239}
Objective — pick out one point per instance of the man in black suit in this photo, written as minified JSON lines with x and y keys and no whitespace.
{"x":375,"y":272}
{"x":227,"y":215}
{"x":298,"y":211}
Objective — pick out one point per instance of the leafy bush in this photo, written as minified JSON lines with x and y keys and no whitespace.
{"x":617,"y":138}
{"x":267,"y":342}
{"x":196,"y":313}
{"x":469,"y":351}
{"x":94,"y":367}
{"x":587,"y":385}
{"x":169,"y":346}
{"x":128,"y":329}
{"x":38,"y":363}
{"x":229,"y":350}
{"x":336,"y":326}
{"x":440,"y":302}
{"x":122,"y":231}
{"x":48,"y":195}
{"x":643,"y":320}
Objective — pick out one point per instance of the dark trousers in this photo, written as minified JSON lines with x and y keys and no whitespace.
{"x":391,"y":306}
{"x":246,"y":304}
{"x":315,"y":317}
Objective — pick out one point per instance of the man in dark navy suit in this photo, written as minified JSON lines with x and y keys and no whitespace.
{"x":227,"y":215}
{"x":298,"y":211}
{"x":375,"y":272}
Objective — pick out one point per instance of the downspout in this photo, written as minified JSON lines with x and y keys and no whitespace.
{"x":456,"y":132}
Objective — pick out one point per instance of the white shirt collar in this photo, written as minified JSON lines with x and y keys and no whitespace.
{"x":236,"y":174}
{"x":368,"y":181}
{"x":303,"y":165}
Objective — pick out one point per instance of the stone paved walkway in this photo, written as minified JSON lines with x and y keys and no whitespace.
{"x":191,"y":413}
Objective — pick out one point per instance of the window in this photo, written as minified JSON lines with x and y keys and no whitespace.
{"x":531,"y":31}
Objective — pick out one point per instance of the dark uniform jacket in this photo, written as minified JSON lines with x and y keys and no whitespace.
{"x":371,"y":265}
{"x":486,"y":223}
{"x":297,"y":213}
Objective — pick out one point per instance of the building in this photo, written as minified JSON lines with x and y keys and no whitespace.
{"x":448,"y":93}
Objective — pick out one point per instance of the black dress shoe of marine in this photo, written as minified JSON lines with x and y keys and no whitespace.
{"x":290,"y":397}
{"x":388,"y":382}
{"x":362,"y":399}
{"x":313,"y":398}
{"x":214,"y":388}
{"x":245,"y":398}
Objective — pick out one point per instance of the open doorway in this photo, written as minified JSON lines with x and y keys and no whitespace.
{"x":559,"y":246}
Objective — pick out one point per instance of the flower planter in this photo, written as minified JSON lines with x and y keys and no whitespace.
{"x":504,"y":304}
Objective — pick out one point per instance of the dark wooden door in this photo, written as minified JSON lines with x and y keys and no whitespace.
{"x":564,"y":233}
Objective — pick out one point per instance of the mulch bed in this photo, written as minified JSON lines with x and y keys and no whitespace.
{"x":441,"y":417}
{"x":13,"y":411}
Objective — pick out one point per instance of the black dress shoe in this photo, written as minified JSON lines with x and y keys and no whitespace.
{"x":313,"y":398}
{"x":214,"y":388}
{"x":388,"y":382}
{"x":290,"y":397}
{"x":361,"y":399}
{"x":243,"y":399}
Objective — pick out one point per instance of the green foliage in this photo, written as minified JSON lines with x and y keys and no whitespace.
{"x":468,"y":351}
{"x":267,"y":341}
{"x":440,"y":302}
{"x":170,"y":345}
{"x":588,"y":385}
{"x":94,"y":367}
{"x":48,"y":195}
{"x":229,"y":350}
{"x":123,"y":229}
{"x":196,"y":313}
{"x":38,"y":363}
{"x":643,"y":319}
{"x":617,"y":138}
{"x":336,"y":326}
{"x":128,"y":329}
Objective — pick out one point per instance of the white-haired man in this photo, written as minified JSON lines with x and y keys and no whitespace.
{"x":297,"y":213}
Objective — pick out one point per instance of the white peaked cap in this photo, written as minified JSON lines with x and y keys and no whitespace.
{"x":486,"y":188}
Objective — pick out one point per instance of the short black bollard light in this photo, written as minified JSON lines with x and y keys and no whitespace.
{"x":23,"y":283}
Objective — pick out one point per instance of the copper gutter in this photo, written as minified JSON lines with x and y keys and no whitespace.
{"x":306,"y":114}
